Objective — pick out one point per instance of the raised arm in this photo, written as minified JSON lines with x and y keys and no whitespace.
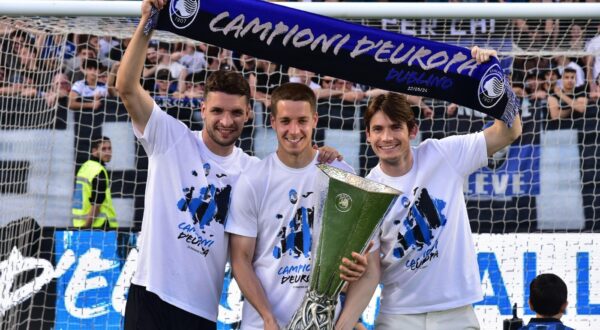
{"x":242,"y":251}
{"x":138,"y":101}
{"x":498,"y":135}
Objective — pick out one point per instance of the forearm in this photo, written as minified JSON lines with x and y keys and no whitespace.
{"x":359,"y":293}
{"x":133,"y":60}
{"x":95,"y":210}
{"x":77,"y":105}
{"x":252,"y":289}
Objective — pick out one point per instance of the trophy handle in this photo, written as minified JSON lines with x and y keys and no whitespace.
{"x":315,"y":313}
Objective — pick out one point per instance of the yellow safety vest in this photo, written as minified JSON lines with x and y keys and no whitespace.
{"x":83,"y":192}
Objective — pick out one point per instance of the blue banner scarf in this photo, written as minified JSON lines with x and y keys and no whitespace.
{"x":345,"y":50}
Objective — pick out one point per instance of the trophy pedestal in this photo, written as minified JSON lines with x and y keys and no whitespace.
{"x":315,"y":313}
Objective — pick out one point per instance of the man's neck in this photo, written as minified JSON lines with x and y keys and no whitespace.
{"x":557,"y":316}
{"x":399,"y":168}
{"x":214,"y":147}
{"x":296,"y":161}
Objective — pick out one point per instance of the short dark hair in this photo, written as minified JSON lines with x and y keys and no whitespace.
{"x":293,"y":92}
{"x":228,"y":82}
{"x":394,"y":105}
{"x":163,"y":74}
{"x":97,"y":141}
{"x":570,"y":70}
{"x":89,"y":63}
{"x":547,"y":294}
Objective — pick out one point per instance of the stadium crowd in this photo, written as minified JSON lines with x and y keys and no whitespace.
{"x":76,"y":73}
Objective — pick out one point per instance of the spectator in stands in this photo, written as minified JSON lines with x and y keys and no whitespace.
{"x":163,"y":84}
{"x":550,"y":80}
{"x":569,"y":101}
{"x":61,"y":86}
{"x":192,"y":58}
{"x":150,"y":67}
{"x":117,"y":51}
{"x":192,"y":86}
{"x":548,"y":299}
{"x":563,"y":62}
{"x":247,"y":66}
{"x":73,"y":66}
{"x":534,"y":86}
{"x":168,"y":60}
{"x":592,"y":61}
{"x":595,"y":91}
{"x":88,"y":92}
{"x":92,"y":202}
{"x":264,"y":80}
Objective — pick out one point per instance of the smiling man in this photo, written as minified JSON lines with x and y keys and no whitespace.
{"x":182,"y":245}
{"x":272,"y":221}
{"x":426,"y":261}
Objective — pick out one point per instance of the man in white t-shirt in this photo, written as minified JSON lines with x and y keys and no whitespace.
{"x":427,"y":265}
{"x":182,"y":245}
{"x":272,"y":219}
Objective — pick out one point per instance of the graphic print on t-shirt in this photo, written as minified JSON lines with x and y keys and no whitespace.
{"x":295,"y":239}
{"x":420,"y":229}
{"x":206,"y":206}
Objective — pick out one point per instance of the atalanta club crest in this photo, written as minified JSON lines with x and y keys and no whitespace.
{"x":183,"y":12}
{"x":343,"y":202}
{"x":491,"y":87}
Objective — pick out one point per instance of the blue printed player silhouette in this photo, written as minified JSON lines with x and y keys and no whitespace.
{"x":211,"y":204}
{"x":296,"y":239}
{"x":424,"y":216}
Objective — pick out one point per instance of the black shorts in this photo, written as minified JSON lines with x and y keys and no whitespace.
{"x":146,"y":311}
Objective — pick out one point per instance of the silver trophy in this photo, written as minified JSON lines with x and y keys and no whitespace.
{"x":350,"y":212}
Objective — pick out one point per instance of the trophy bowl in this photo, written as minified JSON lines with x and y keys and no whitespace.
{"x":350,"y":212}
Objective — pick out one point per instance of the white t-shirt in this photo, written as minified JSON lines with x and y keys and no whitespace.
{"x":276,"y":205}
{"x":593,"y":46}
{"x":84,"y":90}
{"x":428,"y":257}
{"x":182,"y":246}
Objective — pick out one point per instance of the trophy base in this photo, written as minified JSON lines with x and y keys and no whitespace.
{"x":315,"y":313}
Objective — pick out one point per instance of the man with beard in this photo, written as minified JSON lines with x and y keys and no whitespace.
{"x":182,"y":245}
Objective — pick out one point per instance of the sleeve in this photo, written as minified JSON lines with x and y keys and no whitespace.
{"x":242,"y":218}
{"x":98,"y":189}
{"x":465,"y":153}
{"x":161,"y":132}
{"x":77,"y":87}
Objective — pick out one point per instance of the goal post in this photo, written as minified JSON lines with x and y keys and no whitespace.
{"x":535,"y":208}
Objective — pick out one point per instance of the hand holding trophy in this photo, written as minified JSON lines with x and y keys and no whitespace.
{"x":352,"y":209}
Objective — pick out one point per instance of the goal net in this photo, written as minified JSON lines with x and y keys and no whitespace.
{"x":535,"y":208}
